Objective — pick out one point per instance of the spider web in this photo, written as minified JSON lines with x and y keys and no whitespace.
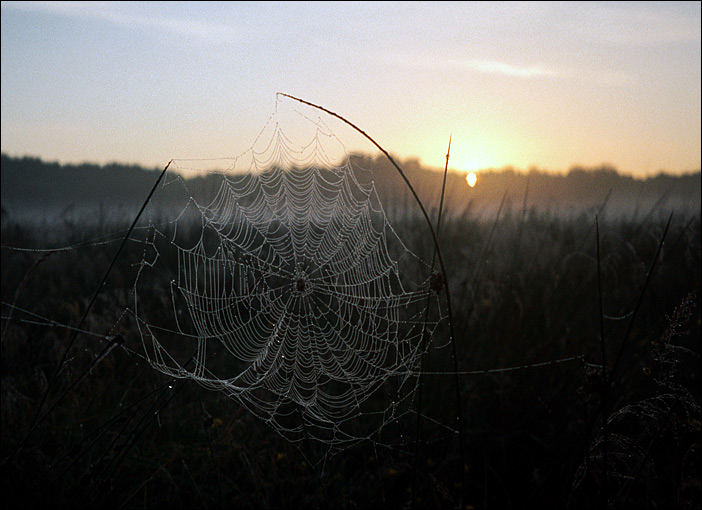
{"x":287,"y":287}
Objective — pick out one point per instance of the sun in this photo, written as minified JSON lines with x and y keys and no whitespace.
{"x":472,"y":165}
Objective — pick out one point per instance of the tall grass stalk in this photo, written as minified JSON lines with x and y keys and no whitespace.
{"x":606,"y":384}
{"x":605,"y":387}
{"x":644,"y":288}
{"x":424,"y":331}
{"x":38,"y":417}
{"x":479,"y":265}
{"x":440,"y":257}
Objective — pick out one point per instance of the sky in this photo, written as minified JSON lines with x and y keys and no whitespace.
{"x":548,"y":85}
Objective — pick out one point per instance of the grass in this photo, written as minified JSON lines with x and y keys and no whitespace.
{"x":525,"y":291}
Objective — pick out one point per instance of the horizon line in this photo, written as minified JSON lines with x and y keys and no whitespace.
{"x":403,"y":160}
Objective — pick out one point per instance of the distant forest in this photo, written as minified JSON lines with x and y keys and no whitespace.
{"x":30,"y":185}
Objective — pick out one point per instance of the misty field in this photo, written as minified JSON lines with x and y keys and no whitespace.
{"x":113,"y":432}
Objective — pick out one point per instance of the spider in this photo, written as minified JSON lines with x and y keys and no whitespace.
{"x":300,"y":284}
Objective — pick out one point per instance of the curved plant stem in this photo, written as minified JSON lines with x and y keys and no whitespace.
{"x":437,"y":247}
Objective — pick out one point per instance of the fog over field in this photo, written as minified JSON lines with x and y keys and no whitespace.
{"x":37,"y":190}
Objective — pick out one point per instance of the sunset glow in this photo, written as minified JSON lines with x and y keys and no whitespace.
{"x":471,"y":179}
{"x":481,"y":157}
{"x":549,"y":85}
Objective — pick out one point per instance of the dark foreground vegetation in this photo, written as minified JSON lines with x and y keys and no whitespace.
{"x":115,"y":433}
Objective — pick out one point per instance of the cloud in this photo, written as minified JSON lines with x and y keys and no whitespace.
{"x":496,"y":67}
{"x":604,"y":77}
{"x":476,"y":65}
{"x":127,"y":16}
